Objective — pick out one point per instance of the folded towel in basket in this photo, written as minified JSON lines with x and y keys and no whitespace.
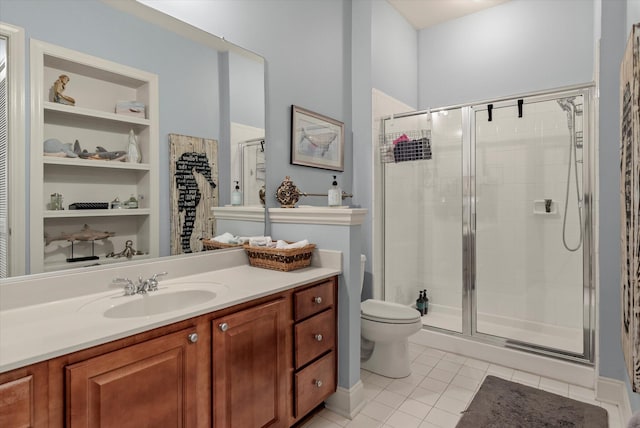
{"x":286,"y":246}
{"x":227,"y":238}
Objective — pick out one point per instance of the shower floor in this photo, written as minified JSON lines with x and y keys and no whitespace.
{"x":538,"y":334}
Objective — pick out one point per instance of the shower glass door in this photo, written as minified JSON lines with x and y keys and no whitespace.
{"x":423,"y":215}
{"x":528,"y":233}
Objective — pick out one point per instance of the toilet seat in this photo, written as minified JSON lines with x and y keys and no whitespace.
{"x":388,"y":312}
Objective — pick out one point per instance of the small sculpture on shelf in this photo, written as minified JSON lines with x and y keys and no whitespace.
{"x":55,"y":147}
{"x":58,"y":89}
{"x":128,"y":251}
{"x":85,"y":234}
{"x":100,"y":154}
{"x":133,"y":149}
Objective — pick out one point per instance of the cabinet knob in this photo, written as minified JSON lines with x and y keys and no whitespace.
{"x":317,"y":300}
{"x":318,"y":337}
{"x":193,"y":337}
{"x":317,"y":383}
{"x":223,"y":327}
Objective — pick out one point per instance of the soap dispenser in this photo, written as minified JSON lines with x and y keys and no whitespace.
{"x":236,"y":195}
{"x":335,"y":194}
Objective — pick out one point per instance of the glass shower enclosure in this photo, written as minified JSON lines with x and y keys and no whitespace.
{"x":492,"y":216}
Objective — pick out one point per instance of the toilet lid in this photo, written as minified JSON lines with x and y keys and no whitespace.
{"x":381,"y":311}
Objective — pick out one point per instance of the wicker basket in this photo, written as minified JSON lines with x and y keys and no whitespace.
{"x":280,"y":259}
{"x":210,"y":244}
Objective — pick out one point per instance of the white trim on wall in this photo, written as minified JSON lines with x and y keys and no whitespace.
{"x":16,"y":139}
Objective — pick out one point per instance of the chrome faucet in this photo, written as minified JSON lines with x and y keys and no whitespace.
{"x":142,"y":287}
{"x":152,"y":283}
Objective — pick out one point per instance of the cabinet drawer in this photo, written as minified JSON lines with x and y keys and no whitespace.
{"x":314,"y":336}
{"x":315,"y":383}
{"x":313,"y":300}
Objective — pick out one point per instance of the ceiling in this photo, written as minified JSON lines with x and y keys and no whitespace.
{"x":426,"y":13}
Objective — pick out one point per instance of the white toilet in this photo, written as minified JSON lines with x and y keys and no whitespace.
{"x":385,"y":331}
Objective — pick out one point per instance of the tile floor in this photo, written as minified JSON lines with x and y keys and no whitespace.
{"x":440,"y":386}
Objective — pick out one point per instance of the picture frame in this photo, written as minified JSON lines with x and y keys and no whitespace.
{"x":317,"y":141}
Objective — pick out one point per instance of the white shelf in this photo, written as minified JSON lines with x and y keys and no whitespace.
{"x":97,"y":86}
{"x":95,"y":114}
{"x":95,"y":213}
{"x":91,"y":163}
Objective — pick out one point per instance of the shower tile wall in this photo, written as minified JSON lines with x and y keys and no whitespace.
{"x":523,"y":271}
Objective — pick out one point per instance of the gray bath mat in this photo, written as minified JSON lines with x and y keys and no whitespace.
{"x":500,"y":403}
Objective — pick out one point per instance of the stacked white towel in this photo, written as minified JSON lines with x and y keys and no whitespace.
{"x":286,"y":246}
{"x":227,"y":238}
{"x":260,"y":241}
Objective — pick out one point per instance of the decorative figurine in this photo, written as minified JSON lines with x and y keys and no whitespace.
{"x":133,"y":150}
{"x":58,"y":89}
{"x":85,"y":234}
{"x":55,"y":147}
{"x":262,"y":193}
{"x":128,"y":251}
{"x":288,"y":193}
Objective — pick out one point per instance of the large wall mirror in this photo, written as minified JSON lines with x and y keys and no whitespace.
{"x":207,"y":87}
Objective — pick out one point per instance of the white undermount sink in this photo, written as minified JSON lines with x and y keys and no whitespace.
{"x":166,"y":299}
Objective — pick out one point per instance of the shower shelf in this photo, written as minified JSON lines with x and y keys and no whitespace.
{"x":539,"y":207}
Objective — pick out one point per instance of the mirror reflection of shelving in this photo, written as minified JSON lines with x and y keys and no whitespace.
{"x":98,"y":175}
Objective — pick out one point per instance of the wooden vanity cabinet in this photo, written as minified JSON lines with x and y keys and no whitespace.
{"x":260,"y":363}
{"x":250,"y":367}
{"x":23,"y":397}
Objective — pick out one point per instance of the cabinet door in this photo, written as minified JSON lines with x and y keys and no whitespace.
{"x":249,"y":367}
{"x":151,"y":384}
{"x":23,"y":397}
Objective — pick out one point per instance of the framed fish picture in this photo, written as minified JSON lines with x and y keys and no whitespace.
{"x":194,"y":191}
{"x":316,"y":140}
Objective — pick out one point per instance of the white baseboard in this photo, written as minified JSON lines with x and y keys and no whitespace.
{"x":615,"y":392}
{"x":347,"y":402}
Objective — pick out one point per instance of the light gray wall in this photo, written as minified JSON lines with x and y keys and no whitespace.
{"x":187,"y":71}
{"x":361,"y":84}
{"x":516,"y":47}
{"x":394,"y":54}
{"x":246,"y":90}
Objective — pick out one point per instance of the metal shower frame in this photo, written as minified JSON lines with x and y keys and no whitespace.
{"x":468,"y":229}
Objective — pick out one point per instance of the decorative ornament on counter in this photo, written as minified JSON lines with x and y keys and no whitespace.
{"x":133,"y":149}
{"x":58,"y":89}
{"x":128,"y":251}
{"x":287,"y":193}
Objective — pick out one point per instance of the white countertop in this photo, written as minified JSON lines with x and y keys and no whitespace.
{"x":31,"y":333}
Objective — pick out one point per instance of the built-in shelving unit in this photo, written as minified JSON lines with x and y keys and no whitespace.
{"x":96,"y":85}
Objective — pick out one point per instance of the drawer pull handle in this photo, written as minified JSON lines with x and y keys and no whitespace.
{"x":193,"y":337}
{"x":318,"y":337}
{"x":223,"y":327}
{"x":318,"y":383}
{"x":317,"y":300}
